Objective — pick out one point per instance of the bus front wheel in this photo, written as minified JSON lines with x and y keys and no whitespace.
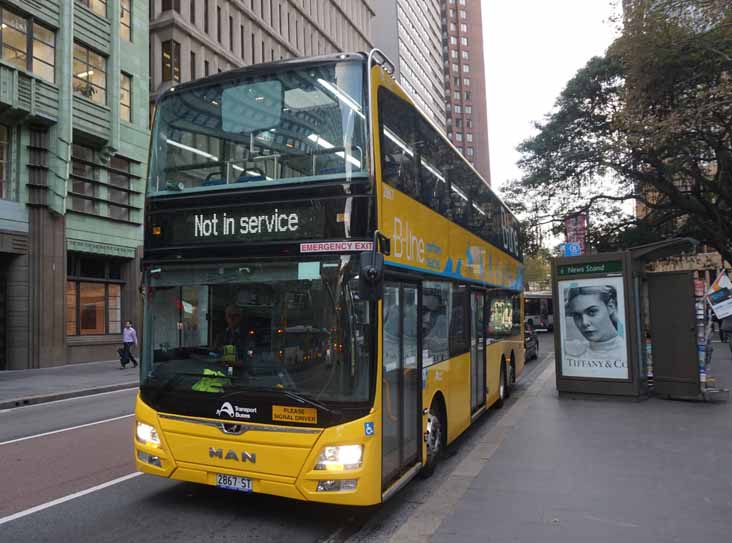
{"x":435,"y":439}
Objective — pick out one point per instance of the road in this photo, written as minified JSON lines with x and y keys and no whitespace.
{"x":68,"y":475}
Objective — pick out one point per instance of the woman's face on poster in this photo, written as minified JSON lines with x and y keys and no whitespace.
{"x":593,"y":317}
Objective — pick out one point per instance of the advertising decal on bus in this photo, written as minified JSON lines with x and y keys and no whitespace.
{"x":431,"y":243}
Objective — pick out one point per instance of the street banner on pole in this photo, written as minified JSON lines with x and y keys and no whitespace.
{"x":576,"y":228}
{"x":719,"y":296}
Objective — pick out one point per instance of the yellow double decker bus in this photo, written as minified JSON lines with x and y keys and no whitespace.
{"x":332,"y":292}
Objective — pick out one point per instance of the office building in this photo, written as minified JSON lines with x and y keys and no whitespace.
{"x":195,"y":38}
{"x":465,"y":84}
{"x":408,"y":31}
{"x":73,"y":145}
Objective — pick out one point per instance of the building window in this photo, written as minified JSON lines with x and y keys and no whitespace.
{"x":193,"y":12}
{"x":218,"y":23}
{"x":464,"y":41}
{"x":119,"y":190}
{"x":205,"y":68}
{"x":125,"y":19}
{"x":36,"y":55}
{"x":468,"y":95}
{"x":231,"y":33}
{"x":90,"y":74}
{"x":471,"y":152}
{"x":459,"y":136}
{"x":463,"y":27}
{"x":4,"y":162}
{"x":171,"y":4}
{"x":466,"y":55}
{"x":469,"y":138}
{"x":171,"y":61}
{"x":466,"y":82}
{"x":205,"y":16}
{"x":93,"y":296}
{"x":468,"y":110}
{"x":84,"y":179}
{"x":193,"y":65}
{"x":125,"y":97}
{"x":44,"y":52}
{"x":466,"y":68}
{"x":97,"y":6}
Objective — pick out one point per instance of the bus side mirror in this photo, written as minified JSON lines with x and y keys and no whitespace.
{"x":371,"y":276}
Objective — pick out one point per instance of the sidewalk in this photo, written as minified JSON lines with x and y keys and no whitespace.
{"x":26,"y":387}
{"x":557,"y":470}
{"x":584,"y":470}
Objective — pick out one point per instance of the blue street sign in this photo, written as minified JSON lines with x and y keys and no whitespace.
{"x":572,"y":249}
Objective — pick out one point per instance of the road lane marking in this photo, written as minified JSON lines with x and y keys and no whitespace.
{"x":66,"y":429}
{"x":44,"y":404}
{"x":70,"y":497}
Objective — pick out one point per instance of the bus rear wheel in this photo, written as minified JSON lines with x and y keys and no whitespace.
{"x":501,"y":386}
{"x":435,"y":439}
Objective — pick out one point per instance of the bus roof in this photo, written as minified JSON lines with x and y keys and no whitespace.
{"x":264,"y":68}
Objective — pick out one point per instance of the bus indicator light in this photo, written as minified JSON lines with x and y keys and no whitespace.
{"x":157,"y":231}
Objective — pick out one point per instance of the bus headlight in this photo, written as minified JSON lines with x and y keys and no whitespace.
{"x":147,"y":435}
{"x":340,"y":458}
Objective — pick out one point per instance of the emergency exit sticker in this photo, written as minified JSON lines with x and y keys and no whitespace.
{"x":302,"y":415}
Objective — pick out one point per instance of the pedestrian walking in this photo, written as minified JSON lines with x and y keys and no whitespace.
{"x":725,"y":326}
{"x":129,"y":338}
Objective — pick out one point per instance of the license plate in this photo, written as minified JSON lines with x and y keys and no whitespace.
{"x":232,"y":482}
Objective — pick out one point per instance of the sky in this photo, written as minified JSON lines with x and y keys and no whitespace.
{"x":532,"y":48}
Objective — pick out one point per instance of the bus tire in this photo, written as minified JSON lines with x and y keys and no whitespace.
{"x":435,"y":439}
{"x":510,"y":377}
{"x":501,"y":386}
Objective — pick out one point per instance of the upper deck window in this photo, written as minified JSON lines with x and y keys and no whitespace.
{"x":288,"y":126}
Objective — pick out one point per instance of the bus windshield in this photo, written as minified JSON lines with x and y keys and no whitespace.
{"x":287,"y":327}
{"x":283,"y":127}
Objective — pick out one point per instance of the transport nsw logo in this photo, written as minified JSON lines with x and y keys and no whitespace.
{"x":236,"y":412}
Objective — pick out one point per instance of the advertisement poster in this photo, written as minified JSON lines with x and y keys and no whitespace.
{"x":593,"y":333}
{"x":720,"y":296}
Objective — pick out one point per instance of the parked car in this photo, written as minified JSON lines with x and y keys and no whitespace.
{"x":531,"y":343}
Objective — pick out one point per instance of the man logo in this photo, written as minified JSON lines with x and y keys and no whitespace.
{"x":227,"y":409}
{"x":232,"y":455}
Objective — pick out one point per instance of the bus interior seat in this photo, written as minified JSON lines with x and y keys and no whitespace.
{"x":250,"y":178}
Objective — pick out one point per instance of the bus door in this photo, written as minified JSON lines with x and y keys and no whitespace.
{"x":477,"y":350}
{"x":401,"y":419}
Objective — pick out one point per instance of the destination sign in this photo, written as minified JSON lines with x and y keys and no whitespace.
{"x":223,"y":225}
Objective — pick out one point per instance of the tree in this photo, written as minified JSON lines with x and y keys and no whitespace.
{"x":649,"y":123}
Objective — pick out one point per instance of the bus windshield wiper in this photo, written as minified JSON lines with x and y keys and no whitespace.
{"x":304,"y":399}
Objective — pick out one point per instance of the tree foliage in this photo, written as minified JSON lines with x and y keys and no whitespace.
{"x":649,"y":123}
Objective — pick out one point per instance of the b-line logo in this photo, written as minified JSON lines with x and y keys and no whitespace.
{"x":236,"y":412}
